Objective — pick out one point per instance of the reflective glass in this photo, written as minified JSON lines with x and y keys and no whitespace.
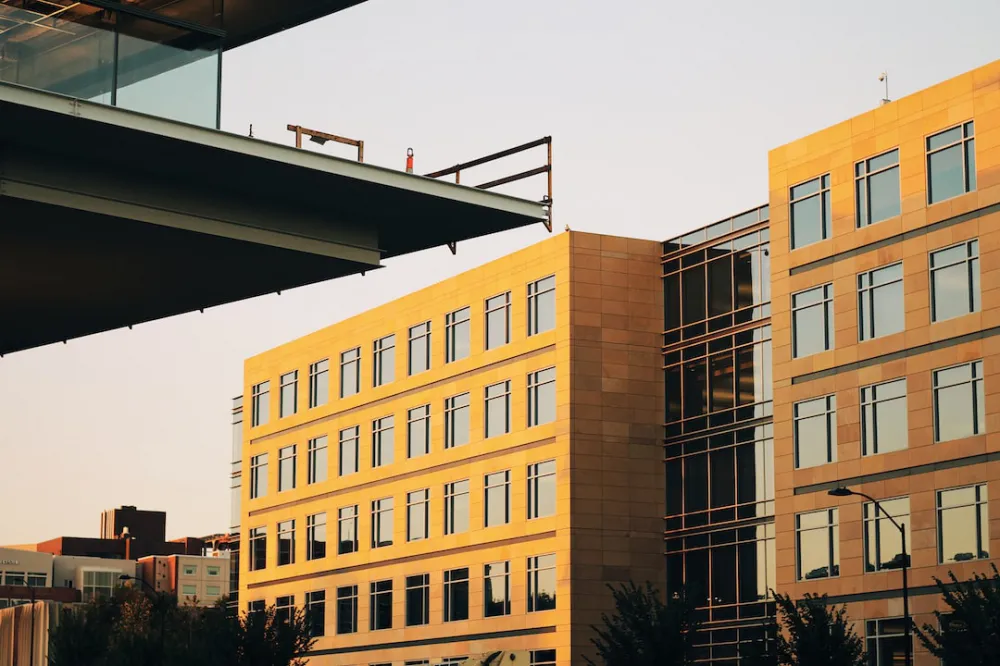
{"x":883,"y":195}
{"x":945,"y":174}
{"x":815,"y":432}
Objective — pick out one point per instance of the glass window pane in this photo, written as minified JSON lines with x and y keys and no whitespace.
{"x":945,"y":174}
{"x":807,"y":221}
{"x":950,"y":288}
{"x":953,"y":412}
{"x":693,"y":284}
{"x":944,"y":138}
{"x":883,"y":193}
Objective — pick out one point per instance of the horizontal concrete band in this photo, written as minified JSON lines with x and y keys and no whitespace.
{"x":897,"y":473}
{"x":532,"y":631}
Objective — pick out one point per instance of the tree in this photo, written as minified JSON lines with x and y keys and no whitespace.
{"x":816,"y":634}
{"x":644,"y":631}
{"x":969,"y":633}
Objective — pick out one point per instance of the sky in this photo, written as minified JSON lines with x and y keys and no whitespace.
{"x":661,"y":114}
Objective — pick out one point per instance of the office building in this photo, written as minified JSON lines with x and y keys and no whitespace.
{"x":194,"y":579}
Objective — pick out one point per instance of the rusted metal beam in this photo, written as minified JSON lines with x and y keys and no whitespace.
{"x":322,"y":137}
{"x":514,"y":178}
{"x":489,"y":158}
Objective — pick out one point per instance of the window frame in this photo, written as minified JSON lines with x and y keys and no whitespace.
{"x":503,"y":395}
{"x":451,"y":323}
{"x":288,"y":380}
{"x":345,"y":362}
{"x":455,"y":580}
{"x":286,"y":532}
{"x":863,"y":175}
{"x":866,"y":296}
{"x":829,"y":414}
{"x":451,"y":498}
{"x":260,"y":403}
{"x":536,"y":384}
{"x":316,"y":448}
{"x":826,"y":303}
{"x":488,"y":310}
{"x":536,"y":291}
{"x":967,"y":144}
{"x":348,"y":594}
{"x":375,"y":592}
{"x":314,"y":523}
{"x":534,"y":569}
{"x":878,"y":636}
{"x":411,"y":423}
{"x":488,"y":577}
{"x":257,"y":542}
{"x":832,"y":528}
{"x":980,"y":505}
{"x":319,"y":371}
{"x":383,"y":372}
{"x":351,"y":520}
{"x":973,"y":274}
{"x":978,"y":387}
{"x":487,"y":487}
{"x":418,"y":333}
{"x":343,"y":441}
{"x":869,"y":398}
{"x":451,"y":409}
{"x":258,"y":469}
{"x":415,"y":582}
{"x":286,"y":454}
{"x":379,"y":513}
{"x":535,"y":478}
{"x":826,"y":213}
{"x":414,"y":500}
{"x":379,"y":458}
{"x":314,"y":599}
{"x":870,"y":515}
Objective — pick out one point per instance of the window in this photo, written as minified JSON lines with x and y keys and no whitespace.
{"x":456,"y":421}
{"x":256,"y":606}
{"x":258,"y":548}
{"x":498,"y":409}
{"x":542,"y":658}
{"x":812,"y":321}
{"x":885,"y":641}
{"x":14,"y":578}
{"x":189,"y":570}
{"x":883,"y":417}
{"x":317,"y":460}
{"x":383,"y":441}
{"x":418,"y":600}
{"x":381,"y":605}
{"x":284,"y":608}
{"x":316,"y":536}
{"x":347,"y":530}
{"x":349,"y":450}
{"x":286,"y":542}
{"x":815,"y":431}
{"x":189,"y":590}
{"x":542,"y":305}
{"x":498,"y":320}
{"x":258,"y":476}
{"x":809,"y":205}
{"x":420,"y":348}
{"x":496,"y":594}
{"x":213,"y":591}
{"x":319,"y":384}
{"x":382,"y":522}
{"x":289,"y":393}
{"x":880,"y":302}
{"x":876,"y":188}
{"x":418,"y":515}
{"x":286,"y":468}
{"x":456,"y":595}
{"x":883,"y":543}
{"x":542,"y":489}
{"x":456,"y":335}
{"x":497,"y":510}
{"x":955,"y":281}
{"x":212,"y":572}
{"x":350,"y":372}
{"x":418,"y":431}
{"x":37,"y":580}
{"x":963,"y":524}
{"x":541,"y":397}
{"x":316,"y":612}
{"x":959,"y":402}
{"x":456,"y":507}
{"x":951,"y":163}
{"x":97,"y":584}
{"x":384,"y":364}
{"x":347,"y":609}
{"x":260,"y":403}
{"x":817,"y":544}
{"x":541,"y":583}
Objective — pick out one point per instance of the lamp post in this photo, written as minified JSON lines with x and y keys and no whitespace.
{"x":159,"y":599}
{"x":843,"y":491}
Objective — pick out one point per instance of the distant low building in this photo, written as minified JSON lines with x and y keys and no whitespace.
{"x":194,"y":579}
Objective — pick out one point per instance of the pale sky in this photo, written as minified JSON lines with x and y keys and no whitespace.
{"x":661,"y":112}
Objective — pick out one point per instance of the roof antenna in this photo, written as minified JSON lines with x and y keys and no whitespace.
{"x":884,"y":78}
{"x":251,"y":130}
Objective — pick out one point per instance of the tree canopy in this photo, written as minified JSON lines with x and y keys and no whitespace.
{"x":816,"y":634}
{"x":969,"y":633}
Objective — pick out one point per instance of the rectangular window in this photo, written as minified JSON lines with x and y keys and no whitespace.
{"x":260,"y":403}
{"x":350,"y":372}
{"x":541,"y":583}
{"x":542,"y":305}
{"x":189,"y":570}
{"x":497,"y":492}
{"x":286,"y":542}
{"x":541,"y":397}
{"x":498,"y":320}
{"x":456,"y":421}
{"x":815,"y":431}
{"x":289,"y":393}
{"x":420,"y":348}
{"x":955,"y":281}
{"x":213,"y":591}
{"x":286,"y":468}
{"x":349,"y":450}
{"x":319,"y":383}
{"x":963,"y":523}
{"x":418,"y":431}
{"x":380,"y":616}
{"x":812,"y":321}
{"x":876,"y":188}
{"x":383,"y":441}
{"x":258,"y":548}
{"x":542,"y":658}
{"x":96,"y":584}
{"x":496,"y":592}
{"x":456,"y":507}
{"x":15,"y":578}
{"x":817,"y":544}
{"x":959,"y":402}
{"x":456,"y":595}
{"x":498,"y":409}
{"x":258,"y":476}
{"x":347,"y":609}
{"x":951,"y":163}
{"x":883,"y":417}
{"x":418,"y":515}
{"x":284,"y":609}
{"x":542,"y":489}
{"x":418,"y":600}
{"x":384,"y":363}
{"x":347,"y":530}
{"x":883,"y":542}
{"x":256,"y":606}
{"x":316,"y":536}
{"x":317,"y":460}
{"x":212,"y":572}
{"x":809,"y":205}
{"x":316,"y":612}
{"x":456,"y":335}
{"x":880,"y":302}
{"x":885,"y":641}
{"x":382,"y":510}
{"x":189,"y":590}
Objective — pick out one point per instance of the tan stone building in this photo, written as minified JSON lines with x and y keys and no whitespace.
{"x":194,"y":579}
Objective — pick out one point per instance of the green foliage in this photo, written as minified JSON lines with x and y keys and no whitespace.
{"x":970,"y":633}
{"x":816,"y":634}
{"x":644,"y":631}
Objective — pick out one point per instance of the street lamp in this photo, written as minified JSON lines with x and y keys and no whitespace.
{"x":843,"y":491}
{"x":161,"y":604}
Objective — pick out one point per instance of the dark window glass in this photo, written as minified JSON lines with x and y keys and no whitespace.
{"x":541,"y":397}
{"x":883,"y":542}
{"x":286,"y":468}
{"x":286,"y":542}
{"x":380,"y":615}
{"x":382,"y":512}
{"x":541,"y":583}
{"x":721,"y":378}
{"x":963,"y":524}
{"x":672,"y":301}
{"x":258,"y":476}
{"x":316,"y":536}
{"x":456,"y":595}
{"x":885,"y":641}
{"x":260,"y":404}
{"x":496,"y":592}
{"x":693,"y":284}
{"x":284,"y":608}
{"x":347,"y":530}
{"x":817,"y":544}
{"x":258,"y":548}
{"x":347,"y":609}
{"x":723,"y":477}
{"x":955,"y":281}
{"x":316,"y":612}
{"x":720,"y":286}
{"x":418,"y":600}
